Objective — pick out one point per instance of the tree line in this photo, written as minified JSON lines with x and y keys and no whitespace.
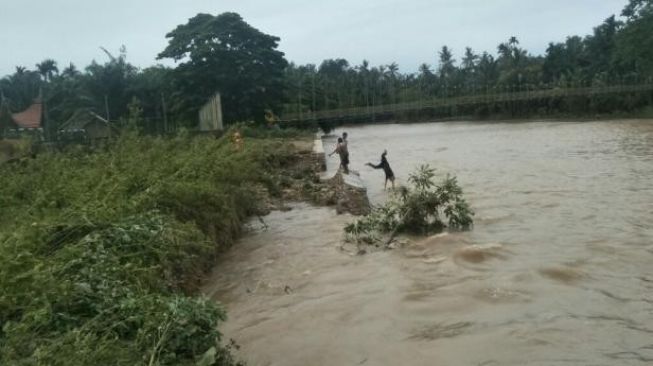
{"x":225,"y":54}
{"x":213,"y":54}
{"x":618,"y":51}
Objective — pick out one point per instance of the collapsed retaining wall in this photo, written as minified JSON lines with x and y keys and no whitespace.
{"x":319,"y":155}
{"x":349,"y":192}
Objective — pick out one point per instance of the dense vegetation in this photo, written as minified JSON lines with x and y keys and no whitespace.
{"x":216,"y":53}
{"x":224,"y":53}
{"x":424,"y":208}
{"x":101,"y":254}
{"x":617,"y":52}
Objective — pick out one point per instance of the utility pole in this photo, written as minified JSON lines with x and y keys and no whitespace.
{"x":49,"y":135}
{"x":299,"y":99}
{"x":313,"y":93}
{"x":106,"y":107}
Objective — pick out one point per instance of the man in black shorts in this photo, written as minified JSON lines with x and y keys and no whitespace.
{"x":345,"y":150}
{"x":341,"y":150}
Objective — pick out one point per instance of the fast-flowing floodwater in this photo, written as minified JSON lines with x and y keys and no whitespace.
{"x":557,"y":271}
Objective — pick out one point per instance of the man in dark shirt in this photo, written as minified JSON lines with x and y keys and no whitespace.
{"x":389,"y":174}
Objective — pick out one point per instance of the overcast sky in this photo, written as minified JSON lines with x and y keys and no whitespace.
{"x":382,"y":31}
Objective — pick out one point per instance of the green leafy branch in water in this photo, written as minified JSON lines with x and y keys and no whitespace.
{"x":425,"y":208}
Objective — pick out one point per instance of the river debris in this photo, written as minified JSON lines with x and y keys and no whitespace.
{"x":421,"y":209}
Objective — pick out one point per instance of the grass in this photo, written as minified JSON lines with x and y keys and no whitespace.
{"x":101,"y":254}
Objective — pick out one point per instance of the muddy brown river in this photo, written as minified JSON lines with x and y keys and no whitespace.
{"x":557,"y":271}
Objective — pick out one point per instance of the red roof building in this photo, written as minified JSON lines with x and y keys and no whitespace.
{"x":30,"y":118}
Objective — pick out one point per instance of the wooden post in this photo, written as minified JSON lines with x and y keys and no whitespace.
{"x":106,"y":107}
{"x":49,"y":135}
{"x":314,"y":104}
{"x":299,"y":102}
{"x":165,"y":114}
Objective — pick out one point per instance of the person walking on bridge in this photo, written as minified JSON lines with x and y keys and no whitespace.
{"x":389,"y":174}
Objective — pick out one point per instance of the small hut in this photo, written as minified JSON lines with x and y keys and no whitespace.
{"x":86,"y":125}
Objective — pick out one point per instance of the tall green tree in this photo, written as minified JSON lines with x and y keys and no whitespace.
{"x":567,"y":59}
{"x":487,"y":70}
{"x":21,"y":88}
{"x":446,"y":66}
{"x":107,"y":86}
{"x":469,"y":60}
{"x":70,"y":71}
{"x":635,"y":41}
{"x":47,"y":68}
{"x":225,"y":54}
{"x":601,"y":49}
{"x":468,"y":68}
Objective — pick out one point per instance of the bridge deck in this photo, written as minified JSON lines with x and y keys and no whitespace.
{"x":488,"y":98}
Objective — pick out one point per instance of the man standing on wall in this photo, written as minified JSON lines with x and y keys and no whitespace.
{"x":345,"y":151}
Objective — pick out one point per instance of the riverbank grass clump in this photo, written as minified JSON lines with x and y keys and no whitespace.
{"x":101,"y":254}
{"x":424,"y":208}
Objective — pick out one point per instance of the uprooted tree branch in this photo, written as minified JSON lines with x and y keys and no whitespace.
{"x":424,"y":208}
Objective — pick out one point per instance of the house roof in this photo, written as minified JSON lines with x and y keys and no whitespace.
{"x":80,"y":119}
{"x":31,"y":117}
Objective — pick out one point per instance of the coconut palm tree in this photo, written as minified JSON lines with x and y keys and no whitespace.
{"x":47,"y":68}
{"x":447,"y":67}
{"x":70,"y":71}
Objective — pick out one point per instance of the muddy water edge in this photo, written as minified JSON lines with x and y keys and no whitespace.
{"x":556,"y":272}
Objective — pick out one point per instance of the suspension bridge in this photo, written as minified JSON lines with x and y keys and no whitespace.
{"x":389,"y":111}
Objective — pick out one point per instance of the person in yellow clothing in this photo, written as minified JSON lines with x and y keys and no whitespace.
{"x":271,"y":119}
{"x":237,"y":140}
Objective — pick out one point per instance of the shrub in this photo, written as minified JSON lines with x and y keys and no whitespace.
{"x":425,"y":208}
{"x":101,"y":254}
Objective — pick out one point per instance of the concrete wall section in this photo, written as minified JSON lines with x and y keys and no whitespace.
{"x":211,"y":115}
